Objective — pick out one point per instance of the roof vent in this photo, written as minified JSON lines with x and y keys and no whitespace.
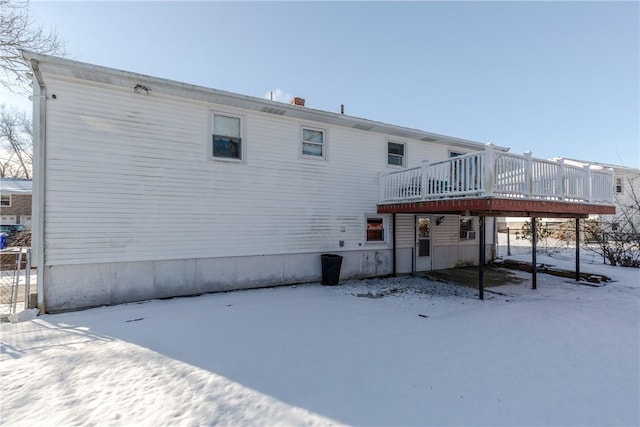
{"x":298,"y":101}
{"x":272,"y":110}
{"x":428,"y":139}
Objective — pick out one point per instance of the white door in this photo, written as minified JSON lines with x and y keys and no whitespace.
{"x":423,"y":243}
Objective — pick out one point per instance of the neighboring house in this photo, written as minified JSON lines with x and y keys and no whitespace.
{"x":15,"y":201}
{"x":626,"y":190}
{"x":146,"y":188}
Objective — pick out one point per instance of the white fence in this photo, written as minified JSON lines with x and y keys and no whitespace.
{"x":491,"y":173}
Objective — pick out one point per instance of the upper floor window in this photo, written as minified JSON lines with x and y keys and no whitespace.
{"x":5,"y":200}
{"x":395,"y":153}
{"x":227,"y":136}
{"x":313,"y":142}
{"x":618,"y":185}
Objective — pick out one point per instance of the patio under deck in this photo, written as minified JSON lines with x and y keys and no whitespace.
{"x":494,"y":183}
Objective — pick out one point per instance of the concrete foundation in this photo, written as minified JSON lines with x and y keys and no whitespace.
{"x":71,"y":287}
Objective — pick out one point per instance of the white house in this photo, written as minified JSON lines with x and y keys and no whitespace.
{"x":626,"y":190}
{"x":626,"y":195}
{"x":146,"y":188}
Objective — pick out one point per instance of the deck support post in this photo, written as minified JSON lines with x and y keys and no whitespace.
{"x":395,"y":246}
{"x":534,"y":249}
{"x":577,"y":249}
{"x":481,"y":259}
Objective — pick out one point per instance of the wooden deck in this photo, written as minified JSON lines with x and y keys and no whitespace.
{"x":496,"y":183}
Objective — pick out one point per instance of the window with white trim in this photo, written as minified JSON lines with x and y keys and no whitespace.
{"x":466,"y":229}
{"x":226,"y":137}
{"x":456,"y":154}
{"x":313,"y":142}
{"x":375,"y":230}
{"x":395,"y":153}
{"x":5,"y":200}
{"x":618,"y":185}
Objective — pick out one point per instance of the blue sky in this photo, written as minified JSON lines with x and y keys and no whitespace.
{"x":557,"y":78}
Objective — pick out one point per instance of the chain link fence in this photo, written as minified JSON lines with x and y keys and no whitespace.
{"x":15,"y":280}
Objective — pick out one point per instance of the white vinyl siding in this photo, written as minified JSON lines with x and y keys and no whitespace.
{"x":127,"y":180}
{"x":405,"y":231}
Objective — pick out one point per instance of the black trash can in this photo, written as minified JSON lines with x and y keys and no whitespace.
{"x":331,"y":269}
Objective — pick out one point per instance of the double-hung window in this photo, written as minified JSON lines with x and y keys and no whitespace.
{"x":395,"y":153}
{"x":619,"y":185}
{"x":313,"y":142}
{"x":5,"y":200}
{"x":227,"y":136}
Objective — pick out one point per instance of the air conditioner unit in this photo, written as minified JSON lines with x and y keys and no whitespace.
{"x":468,"y":235}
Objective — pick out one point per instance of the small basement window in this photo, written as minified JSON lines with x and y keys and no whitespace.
{"x":227,"y":137}
{"x":313,"y":142}
{"x":395,"y":153}
{"x":466,"y":229}
{"x":5,"y":200}
{"x":375,"y":230}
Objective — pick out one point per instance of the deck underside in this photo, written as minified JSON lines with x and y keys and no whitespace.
{"x":500,"y":207}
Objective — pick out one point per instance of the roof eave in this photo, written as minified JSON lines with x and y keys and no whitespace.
{"x":99,"y":74}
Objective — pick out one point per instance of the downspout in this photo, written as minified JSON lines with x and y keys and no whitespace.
{"x":395,"y":247}
{"x":494,"y":250}
{"x":39,"y":178}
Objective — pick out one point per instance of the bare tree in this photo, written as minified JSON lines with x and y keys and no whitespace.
{"x":16,"y":144}
{"x":17,"y":31}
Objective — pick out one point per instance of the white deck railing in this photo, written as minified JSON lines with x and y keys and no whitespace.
{"x":491,"y":173}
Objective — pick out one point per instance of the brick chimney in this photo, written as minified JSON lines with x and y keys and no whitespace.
{"x":298,"y":101}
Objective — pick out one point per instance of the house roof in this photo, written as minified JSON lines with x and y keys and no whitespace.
{"x":15,"y":186}
{"x":110,"y":76}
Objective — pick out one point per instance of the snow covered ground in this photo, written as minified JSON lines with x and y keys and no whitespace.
{"x":398,"y":351}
